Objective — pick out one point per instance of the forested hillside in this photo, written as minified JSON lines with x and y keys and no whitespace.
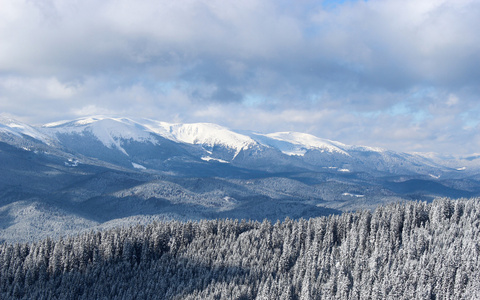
{"x":412,"y":250}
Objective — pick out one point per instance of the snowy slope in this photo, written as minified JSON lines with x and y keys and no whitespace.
{"x":109,"y":131}
{"x":19,"y":129}
{"x":296,"y":143}
{"x":205,"y":134}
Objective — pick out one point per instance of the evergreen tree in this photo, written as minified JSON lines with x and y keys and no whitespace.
{"x":412,"y":250}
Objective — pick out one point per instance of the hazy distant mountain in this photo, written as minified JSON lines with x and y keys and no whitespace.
{"x":72,"y":175}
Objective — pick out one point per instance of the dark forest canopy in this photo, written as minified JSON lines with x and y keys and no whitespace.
{"x":412,"y":250}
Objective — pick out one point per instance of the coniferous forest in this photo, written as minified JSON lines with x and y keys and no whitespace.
{"x":411,"y":250}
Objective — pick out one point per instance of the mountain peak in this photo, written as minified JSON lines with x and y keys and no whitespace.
{"x":206,"y":134}
{"x":109,"y":131}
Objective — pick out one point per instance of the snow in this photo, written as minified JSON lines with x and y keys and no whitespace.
{"x":365,"y":148}
{"x":112,"y":132}
{"x":137,"y":166}
{"x":158,"y":127}
{"x":205,"y":134}
{"x":17,"y":128}
{"x":461,"y":169}
{"x":353,"y":195}
{"x":72,"y":162}
{"x":77,"y":122}
{"x":296,"y":143}
{"x":54,"y":124}
{"x":109,"y":131}
{"x":434,"y":176}
{"x":208,"y":158}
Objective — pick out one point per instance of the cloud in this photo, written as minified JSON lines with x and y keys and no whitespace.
{"x":399,"y":74}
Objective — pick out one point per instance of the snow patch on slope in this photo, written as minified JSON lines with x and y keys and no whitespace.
{"x":138,"y":166}
{"x":353,"y":195}
{"x":208,"y":158}
{"x":295,"y":143}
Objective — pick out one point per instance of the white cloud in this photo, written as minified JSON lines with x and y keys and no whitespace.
{"x":337,"y":72}
{"x":23,"y":88}
{"x":452,"y":100}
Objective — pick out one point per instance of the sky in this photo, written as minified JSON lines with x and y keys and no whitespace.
{"x":398,"y":74}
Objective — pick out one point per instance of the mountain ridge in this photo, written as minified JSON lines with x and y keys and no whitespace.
{"x":76,"y":175}
{"x":112,"y":131}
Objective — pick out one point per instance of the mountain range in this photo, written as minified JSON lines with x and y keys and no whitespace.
{"x":68,"y":176}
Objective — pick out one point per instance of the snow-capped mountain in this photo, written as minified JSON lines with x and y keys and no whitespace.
{"x":109,"y":131}
{"x":155,"y":145}
{"x":16,"y":129}
{"x":77,"y":174}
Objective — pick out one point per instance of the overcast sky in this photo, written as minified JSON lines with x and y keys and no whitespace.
{"x":398,"y":74}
